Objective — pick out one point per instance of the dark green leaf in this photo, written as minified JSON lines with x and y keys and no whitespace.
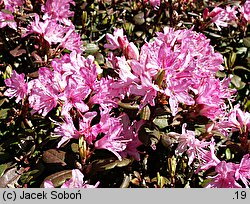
{"x":91,"y":48}
{"x":145,"y":113}
{"x":232,"y":59}
{"x":139,"y":18}
{"x":4,"y":113}
{"x":11,"y":177}
{"x":54,"y":156}
{"x":28,"y":176}
{"x":3,"y":100}
{"x":236,"y":81}
{"x":149,"y":134}
{"x":161,"y":121}
{"x":246,"y":41}
{"x":3,"y":168}
{"x":58,"y":178}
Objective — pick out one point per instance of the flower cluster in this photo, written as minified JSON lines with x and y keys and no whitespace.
{"x":222,"y":17}
{"x":228,"y":174}
{"x":178,"y":64}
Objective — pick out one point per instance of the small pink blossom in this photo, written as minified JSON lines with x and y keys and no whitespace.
{"x":188,"y":142}
{"x":243,"y":170}
{"x":245,"y":10}
{"x":43,"y":92}
{"x":117,"y":40}
{"x":221,"y":17}
{"x":73,"y":96}
{"x":13,"y":4}
{"x":236,"y":120}
{"x":224,"y":177}
{"x":50,"y":30}
{"x":130,"y":132}
{"x":112,"y":139}
{"x":154,"y":3}
{"x":58,"y":10}
{"x":72,"y":40}
{"x":17,"y":87}
{"x":7,"y":19}
{"x":208,"y":158}
{"x":86,"y":129}
{"x":66,"y":131}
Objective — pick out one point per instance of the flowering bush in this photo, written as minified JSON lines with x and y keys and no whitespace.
{"x":155,"y":95}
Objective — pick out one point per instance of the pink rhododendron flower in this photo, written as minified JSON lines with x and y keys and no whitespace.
{"x":71,"y":40}
{"x":13,"y":4}
{"x":119,"y":41}
{"x":211,"y":94}
{"x":188,"y":64}
{"x":243,"y":170}
{"x":236,"y":120}
{"x":43,"y":94}
{"x":154,"y":3}
{"x":188,"y":142}
{"x":58,"y":10}
{"x":17,"y":87}
{"x":130,"y":132}
{"x":224,"y":177}
{"x":66,"y":131}
{"x":112,"y":140}
{"x":73,"y":96}
{"x":208,"y":158}
{"x":221,"y":17}
{"x":86,"y":129}
{"x":7,"y":19}
{"x":55,"y":33}
{"x":76,"y":181}
{"x":50,"y":30}
{"x":245,"y":10}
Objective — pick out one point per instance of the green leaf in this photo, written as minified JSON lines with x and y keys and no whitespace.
{"x":109,"y":163}
{"x":4,"y":113}
{"x":123,"y":162}
{"x":3,"y":100}
{"x":241,"y":68}
{"x":228,"y":154}
{"x":91,"y":48}
{"x":3,"y":168}
{"x":53,"y":156}
{"x":139,"y":18}
{"x":11,"y":177}
{"x":232,"y":59}
{"x":145,"y":113}
{"x":236,"y":81}
{"x":246,"y":41}
{"x":28,"y":176}
{"x":58,"y":178}
{"x":220,"y":74}
{"x":161,"y":121}
{"x":172,"y":164}
{"x":149,"y":134}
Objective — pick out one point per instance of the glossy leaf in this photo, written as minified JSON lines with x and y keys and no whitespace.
{"x":11,"y":177}
{"x":58,"y":178}
{"x":54,"y":156}
{"x":161,"y":121}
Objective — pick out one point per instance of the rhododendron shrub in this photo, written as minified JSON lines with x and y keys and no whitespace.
{"x":166,"y":103}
